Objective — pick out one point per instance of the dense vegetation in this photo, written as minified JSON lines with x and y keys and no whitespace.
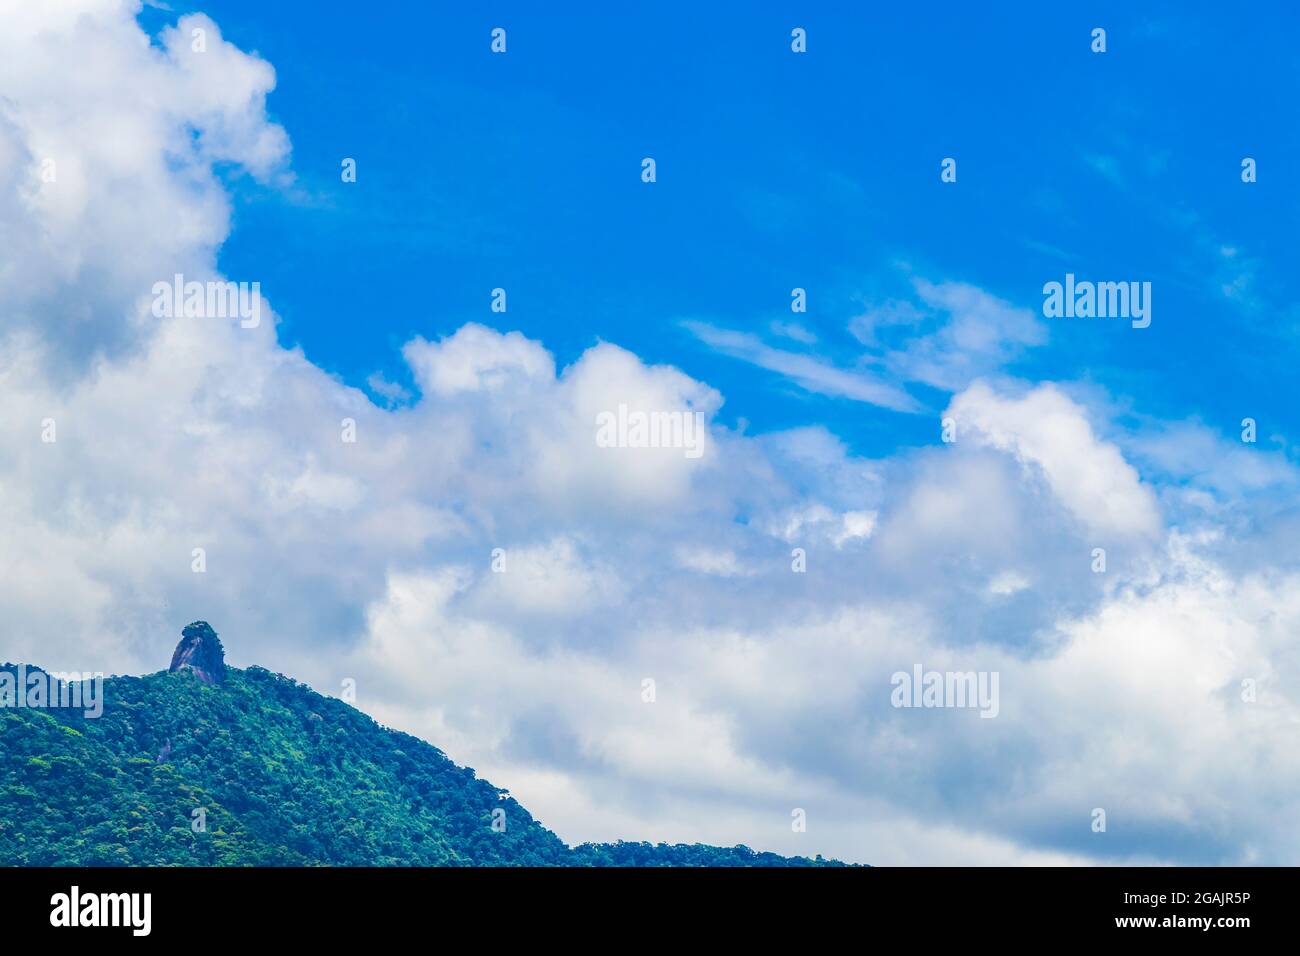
{"x":284,"y":775}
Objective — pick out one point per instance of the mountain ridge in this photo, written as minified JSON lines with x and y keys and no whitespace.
{"x":195,"y":767}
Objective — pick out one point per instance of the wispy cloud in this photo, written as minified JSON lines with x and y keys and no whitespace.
{"x":946,"y":335}
{"x":1107,"y":167}
{"x":976,"y":335}
{"x":807,"y":371}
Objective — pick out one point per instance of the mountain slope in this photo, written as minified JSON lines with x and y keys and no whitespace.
{"x":285,"y":776}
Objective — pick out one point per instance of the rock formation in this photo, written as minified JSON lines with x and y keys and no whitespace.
{"x":200,"y":651}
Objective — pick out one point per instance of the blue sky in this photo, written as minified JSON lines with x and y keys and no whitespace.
{"x":775,"y":171}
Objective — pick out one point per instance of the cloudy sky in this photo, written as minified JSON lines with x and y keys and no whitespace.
{"x":208,"y":140}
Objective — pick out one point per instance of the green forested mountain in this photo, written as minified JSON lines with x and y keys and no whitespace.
{"x":284,"y":776}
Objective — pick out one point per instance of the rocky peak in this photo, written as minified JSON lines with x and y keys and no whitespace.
{"x":200,"y":651}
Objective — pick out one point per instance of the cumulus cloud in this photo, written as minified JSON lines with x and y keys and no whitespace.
{"x":374,"y":559}
{"x":108,"y":168}
{"x":478,"y":359}
{"x":1048,"y":432}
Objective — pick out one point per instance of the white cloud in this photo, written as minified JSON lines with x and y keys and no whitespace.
{"x":855,"y":524}
{"x":551,"y":578}
{"x":978,"y":335}
{"x":814,"y":521}
{"x":1008,"y":583}
{"x":475,"y":359}
{"x":796,"y":332}
{"x":1191,"y":452}
{"x":1045,"y":430}
{"x":89,"y":154}
{"x":953,"y":334}
{"x":724,"y":564}
{"x":806,"y":371}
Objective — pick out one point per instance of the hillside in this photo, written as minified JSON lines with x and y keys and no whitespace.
{"x":285,"y":775}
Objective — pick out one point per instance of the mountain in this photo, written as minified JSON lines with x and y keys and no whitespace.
{"x":206,"y":764}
